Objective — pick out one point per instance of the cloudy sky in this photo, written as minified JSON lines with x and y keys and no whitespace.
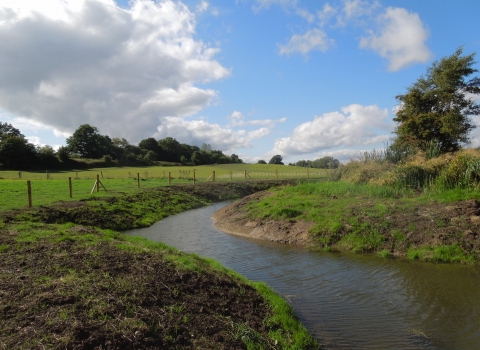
{"x":299,"y":78}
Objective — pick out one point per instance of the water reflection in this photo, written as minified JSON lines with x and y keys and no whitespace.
{"x":345,"y":300}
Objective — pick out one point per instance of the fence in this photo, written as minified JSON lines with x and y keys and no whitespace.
{"x":54,"y":187}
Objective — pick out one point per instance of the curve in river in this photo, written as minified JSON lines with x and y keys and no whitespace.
{"x":345,"y":300}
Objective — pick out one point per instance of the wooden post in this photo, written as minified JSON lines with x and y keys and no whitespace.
{"x":19,"y":174}
{"x":213,"y":176}
{"x":101,"y":173}
{"x":194,"y":180}
{"x":276,"y":173}
{"x":245,"y":175}
{"x":70,"y":186}
{"x":231,"y":178}
{"x":46,"y":172}
{"x":97,"y":185}
{"x":169,"y":179}
{"x":29,"y":193}
{"x":138,"y":180}
{"x":308,"y":174}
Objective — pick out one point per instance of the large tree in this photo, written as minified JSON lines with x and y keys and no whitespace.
{"x":438,"y":107}
{"x":277,"y":159}
{"x":88,"y":143}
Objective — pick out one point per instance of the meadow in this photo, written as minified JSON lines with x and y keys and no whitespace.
{"x":120,"y":180}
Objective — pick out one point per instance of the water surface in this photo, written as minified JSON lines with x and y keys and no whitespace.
{"x":345,"y":300}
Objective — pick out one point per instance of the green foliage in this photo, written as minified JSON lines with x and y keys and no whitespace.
{"x":436,"y":108}
{"x":88,"y":143}
{"x":462,"y":172}
{"x":440,"y":254}
{"x":261,"y":161}
{"x":276,"y":160}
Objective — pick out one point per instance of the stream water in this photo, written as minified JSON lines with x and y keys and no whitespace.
{"x":345,"y":300}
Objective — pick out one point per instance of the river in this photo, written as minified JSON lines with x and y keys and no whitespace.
{"x":345,"y":300}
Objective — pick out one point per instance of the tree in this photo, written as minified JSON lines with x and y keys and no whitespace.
{"x":17,"y":153}
{"x":87,"y":142}
{"x":149,"y":144}
{"x":261,"y":161}
{"x":7,"y":129}
{"x":276,"y":160}
{"x":437,"y":108}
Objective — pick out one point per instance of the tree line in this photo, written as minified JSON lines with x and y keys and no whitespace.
{"x":17,"y":153}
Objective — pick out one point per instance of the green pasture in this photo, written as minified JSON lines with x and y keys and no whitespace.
{"x":13,"y":190}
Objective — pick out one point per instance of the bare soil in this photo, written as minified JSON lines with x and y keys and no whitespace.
{"x":429,"y":224}
{"x":233,"y":219}
{"x":79,"y":287}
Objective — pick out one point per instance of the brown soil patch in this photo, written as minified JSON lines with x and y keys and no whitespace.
{"x":67,"y":295}
{"x":233,"y":219}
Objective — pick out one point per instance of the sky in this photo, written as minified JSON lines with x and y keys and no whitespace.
{"x":302,"y":79}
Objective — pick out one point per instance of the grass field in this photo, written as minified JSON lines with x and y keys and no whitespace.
{"x":13,"y":190}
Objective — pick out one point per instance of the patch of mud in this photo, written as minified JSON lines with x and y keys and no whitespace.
{"x":233,"y":219}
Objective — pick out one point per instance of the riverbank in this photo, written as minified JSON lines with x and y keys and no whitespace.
{"x":69,"y":279}
{"x":342,"y":216}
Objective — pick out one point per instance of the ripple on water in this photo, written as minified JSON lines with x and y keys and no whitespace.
{"x":345,"y":300}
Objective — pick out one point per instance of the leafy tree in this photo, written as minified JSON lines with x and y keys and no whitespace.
{"x":88,"y":143}
{"x":149,"y":144}
{"x":277,"y":159}
{"x":7,"y":129}
{"x":47,"y":156}
{"x":63,"y":154}
{"x":437,"y":108}
{"x":326,"y":163}
{"x":261,"y":161}
{"x":17,"y":153}
{"x":170,"y":149}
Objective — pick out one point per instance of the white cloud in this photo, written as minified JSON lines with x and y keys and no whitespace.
{"x":202,"y":6}
{"x":358,"y":8}
{"x":401,"y":39}
{"x":326,"y":13}
{"x":237,"y":119}
{"x":314,"y":39}
{"x":72,"y":62}
{"x":354,"y":126}
{"x":198,"y":131}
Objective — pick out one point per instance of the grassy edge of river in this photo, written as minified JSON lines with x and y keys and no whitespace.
{"x":69,"y":279}
{"x":335,"y":216}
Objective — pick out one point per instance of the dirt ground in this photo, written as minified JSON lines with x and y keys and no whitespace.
{"x":433,"y":224}
{"x":74,"y":286}
{"x":234,"y":220}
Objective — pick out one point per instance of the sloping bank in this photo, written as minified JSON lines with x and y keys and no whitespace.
{"x":343,"y":216}
{"x":69,"y":279}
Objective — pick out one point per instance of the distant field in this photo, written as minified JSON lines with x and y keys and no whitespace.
{"x":13,"y":190}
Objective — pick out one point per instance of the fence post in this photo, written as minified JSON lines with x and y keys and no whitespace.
{"x":169,"y":178}
{"x":46,"y":172}
{"x":97,"y":184}
{"x":29,"y":193}
{"x":70,"y":186}
{"x":101,"y":173}
{"x":276,"y":172}
{"x":194,"y":180}
{"x":245,"y":175}
{"x":213,"y":176}
{"x":19,"y":174}
{"x":138,"y":180}
{"x":231,"y":178}
{"x":308,"y":174}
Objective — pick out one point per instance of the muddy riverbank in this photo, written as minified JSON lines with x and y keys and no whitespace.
{"x":418,"y":230}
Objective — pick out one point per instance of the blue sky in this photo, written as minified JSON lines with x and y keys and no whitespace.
{"x":303,"y":79}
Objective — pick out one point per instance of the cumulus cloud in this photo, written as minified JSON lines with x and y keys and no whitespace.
{"x":237,"y":119}
{"x":197,"y":131}
{"x":401,"y":38}
{"x":314,"y":39}
{"x":125,"y":71}
{"x":354,"y":126}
